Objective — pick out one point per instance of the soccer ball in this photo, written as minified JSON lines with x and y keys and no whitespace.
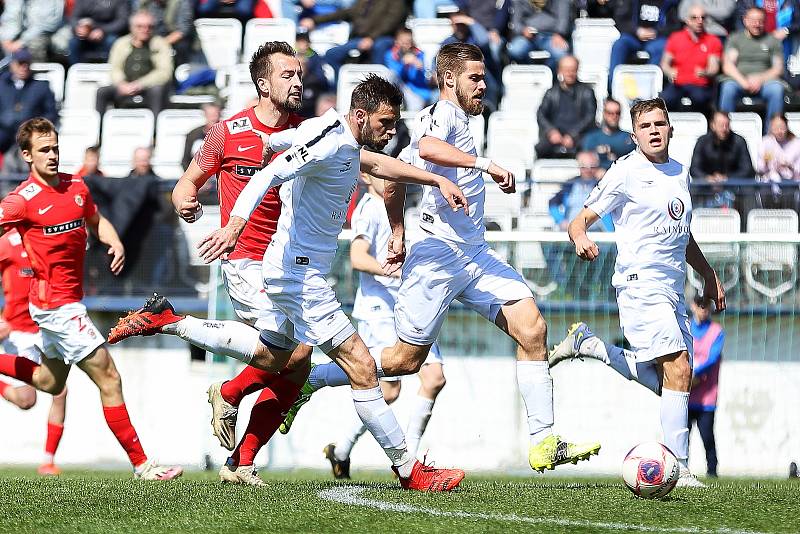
{"x":650,"y":470}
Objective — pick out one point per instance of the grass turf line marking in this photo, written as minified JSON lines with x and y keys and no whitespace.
{"x":351,"y":495}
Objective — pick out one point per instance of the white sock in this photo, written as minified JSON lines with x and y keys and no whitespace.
{"x":536,"y":388}
{"x":227,"y":338}
{"x":420,"y":415}
{"x":330,"y":374}
{"x":48,"y":459}
{"x":624,"y":362}
{"x":675,"y":423}
{"x":353,"y":430}
{"x":382,"y":424}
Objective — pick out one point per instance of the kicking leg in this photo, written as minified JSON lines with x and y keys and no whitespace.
{"x":55,"y":429}
{"x":23,"y":397}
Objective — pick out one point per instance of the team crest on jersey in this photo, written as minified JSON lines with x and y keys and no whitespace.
{"x":30,"y":191}
{"x":676,"y":208}
{"x":79,"y":200}
{"x":238,"y":126}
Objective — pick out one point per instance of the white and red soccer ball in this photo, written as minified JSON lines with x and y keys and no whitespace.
{"x":650,"y":470}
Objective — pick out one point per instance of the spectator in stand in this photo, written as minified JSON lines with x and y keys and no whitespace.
{"x":301,"y":9}
{"x":372,"y":27}
{"x":30,"y":24}
{"x":195,"y":138}
{"x":608,"y":141}
{"x":781,"y":20}
{"x":595,"y":9}
{"x":709,"y":338}
{"x":315,"y":81}
{"x":644,"y":25}
{"x":690,"y":62}
{"x":407,"y":62}
{"x":720,"y":15}
{"x":22,"y":98}
{"x":779,"y":155}
{"x":721,"y":154}
{"x":753,"y":65}
{"x":494,"y":17}
{"x":239,"y":9}
{"x":569,"y":201}
{"x":91,"y":163}
{"x":141,"y":68}
{"x":566,"y":113}
{"x":95,"y":27}
{"x":540,"y":25}
{"x":174,"y":22}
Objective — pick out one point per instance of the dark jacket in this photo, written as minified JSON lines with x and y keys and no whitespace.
{"x":628,"y":16}
{"x":585,"y":107}
{"x":370,"y":18}
{"x":111,"y":16}
{"x":729,"y":157}
{"x":554,"y":17}
{"x":35,"y":99}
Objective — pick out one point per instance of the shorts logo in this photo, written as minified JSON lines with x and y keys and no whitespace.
{"x":632,"y":277}
{"x":427,"y":217}
{"x":30,"y":191}
{"x":239,"y":125}
{"x":301,"y":260}
{"x":79,"y":200}
{"x":676,"y":209}
{"x":63,"y":227}
{"x":244,"y":170}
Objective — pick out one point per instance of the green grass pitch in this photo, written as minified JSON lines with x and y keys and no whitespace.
{"x":111,"y":502}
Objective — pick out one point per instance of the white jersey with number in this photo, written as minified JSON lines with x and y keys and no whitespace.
{"x":376,"y":295}
{"x":448,"y":122}
{"x":323,"y":165}
{"x":652,"y":212}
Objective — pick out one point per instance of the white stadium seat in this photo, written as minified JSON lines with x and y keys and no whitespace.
{"x":220,"y":40}
{"x":83,"y":79}
{"x":124,"y":130}
{"x":511,"y":137}
{"x":52,"y":73}
{"x":430,"y":31}
{"x":591,"y":44}
{"x":79,"y":129}
{"x":240,"y":89}
{"x":635,"y":82}
{"x":350,"y":75}
{"x":554,"y":170}
{"x":793,"y":120}
{"x":259,"y":31}
{"x":748,"y":125}
{"x":328,"y":36}
{"x":597,"y":77}
{"x":687,"y":128}
{"x":771,"y":258}
{"x":172,"y":125}
{"x":525,"y":86}
{"x":709,"y":221}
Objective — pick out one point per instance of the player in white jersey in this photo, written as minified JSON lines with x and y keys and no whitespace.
{"x":321,"y":169}
{"x":453,"y":261}
{"x":647,"y":194}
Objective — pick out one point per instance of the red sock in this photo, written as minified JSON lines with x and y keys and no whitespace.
{"x":120,"y":424}
{"x":266,"y":417}
{"x":54,"y":432}
{"x":17,"y":367}
{"x":3,"y":386}
{"x":248,"y":381}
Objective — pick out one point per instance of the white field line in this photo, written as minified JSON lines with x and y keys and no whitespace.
{"x":351,"y":495}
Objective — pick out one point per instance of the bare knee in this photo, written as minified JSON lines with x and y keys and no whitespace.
{"x":270,"y":360}
{"x":109,"y":383}
{"x":677,"y":373}
{"x":432,"y":382}
{"x":25,"y":398}
{"x":533,"y":338}
{"x":391,"y":391}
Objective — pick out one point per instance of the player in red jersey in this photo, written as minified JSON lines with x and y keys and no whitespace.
{"x":51,"y":211}
{"x":20,"y":335}
{"x":234,"y":149}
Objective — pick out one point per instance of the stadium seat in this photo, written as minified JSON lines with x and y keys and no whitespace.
{"x":220,"y":40}
{"x":430,"y":31}
{"x":592,"y":40}
{"x":79,"y":129}
{"x":328,"y":36}
{"x":723,"y":256}
{"x":632,"y":83}
{"x":52,"y":73}
{"x":83,"y":79}
{"x":240,"y":89}
{"x":258,"y":31}
{"x":771,"y":268}
{"x":554,"y":170}
{"x":350,"y":75}
{"x":687,"y":128}
{"x":529,"y":258}
{"x":124,"y":130}
{"x":525,"y":86}
{"x":511,"y":137}
{"x":597,"y":77}
{"x":172,"y":125}
{"x":502,"y":208}
{"x":793,"y":120}
{"x":748,"y":125}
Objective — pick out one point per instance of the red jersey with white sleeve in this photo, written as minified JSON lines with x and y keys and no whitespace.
{"x":17,"y":276}
{"x":233,"y":150}
{"x":52,"y":223}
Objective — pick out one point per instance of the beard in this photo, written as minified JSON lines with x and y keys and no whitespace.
{"x":371,"y":140}
{"x":287,"y":104}
{"x":466,"y":102}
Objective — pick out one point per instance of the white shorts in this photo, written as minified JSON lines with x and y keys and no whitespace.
{"x":436,"y":272}
{"x":245,"y":284}
{"x":380,"y":333}
{"x":654,"y":321}
{"x":68,"y":334}
{"x":22,"y":344}
{"x":305,"y":310}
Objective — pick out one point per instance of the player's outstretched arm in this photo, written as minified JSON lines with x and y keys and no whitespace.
{"x":362,"y":260}
{"x":444,"y":154}
{"x":105,"y":232}
{"x":712,"y":287}
{"x":184,"y":195}
{"x":585,"y":248}
{"x":394,"y":198}
{"x":394,"y":170}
